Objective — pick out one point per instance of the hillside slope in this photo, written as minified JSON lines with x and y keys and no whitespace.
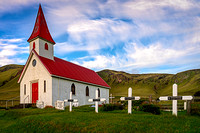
{"x":142,"y":84}
{"x":151,"y":84}
{"x":9,"y":75}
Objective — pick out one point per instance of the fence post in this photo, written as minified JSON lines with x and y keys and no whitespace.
{"x":188,"y":107}
{"x":6,"y":104}
{"x":12,"y":102}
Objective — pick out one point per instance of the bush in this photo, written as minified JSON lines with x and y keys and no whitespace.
{"x":154,"y":109}
{"x":197,"y":93}
{"x":134,"y":102}
{"x":111,"y":107}
{"x":195,"y":109}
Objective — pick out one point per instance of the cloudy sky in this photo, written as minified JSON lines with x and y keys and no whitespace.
{"x":136,"y":36}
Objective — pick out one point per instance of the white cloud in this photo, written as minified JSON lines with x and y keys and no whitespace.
{"x":93,"y":35}
{"x":11,"y":40}
{"x":137,"y":56}
{"x":170,"y":26}
{"x":9,"y":51}
{"x":96,"y":62}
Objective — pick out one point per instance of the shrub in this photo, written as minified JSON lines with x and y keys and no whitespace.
{"x":154,"y":109}
{"x":111,"y":107}
{"x":195,"y":109}
{"x":134,"y":102}
{"x":197,"y":93}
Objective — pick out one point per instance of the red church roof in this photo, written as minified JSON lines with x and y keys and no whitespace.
{"x":65,"y":69}
{"x":41,"y":29}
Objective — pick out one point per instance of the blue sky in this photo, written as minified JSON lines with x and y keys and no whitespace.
{"x":136,"y":36}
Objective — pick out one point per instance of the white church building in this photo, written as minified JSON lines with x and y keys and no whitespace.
{"x":47,"y":78}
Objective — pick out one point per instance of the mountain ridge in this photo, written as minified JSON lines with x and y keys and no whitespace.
{"x":154,"y":84}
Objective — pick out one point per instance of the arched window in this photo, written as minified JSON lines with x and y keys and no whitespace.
{"x":73,"y":89}
{"x":33,"y":45}
{"x":87,"y":91}
{"x":98,"y":92}
{"x":46,"y":46}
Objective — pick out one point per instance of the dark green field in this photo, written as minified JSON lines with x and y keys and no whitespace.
{"x":84,"y":119}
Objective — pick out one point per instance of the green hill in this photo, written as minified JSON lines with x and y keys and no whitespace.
{"x":151,"y":84}
{"x":9,"y":75}
{"x":142,"y":84}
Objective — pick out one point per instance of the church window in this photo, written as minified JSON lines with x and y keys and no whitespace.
{"x":73,"y":89}
{"x":33,"y":45}
{"x":34,"y":62}
{"x":24,"y":89}
{"x":46,"y":46}
{"x":87,"y":91}
{"x":98,"y":92}
{"x":45,"y":86}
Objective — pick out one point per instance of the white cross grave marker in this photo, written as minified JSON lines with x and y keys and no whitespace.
{"x":96,"y":101}
{"x":111,"y":97}
{"x":129,"y":98}
{"x":70,"y":100}
{"x":174,"y":99}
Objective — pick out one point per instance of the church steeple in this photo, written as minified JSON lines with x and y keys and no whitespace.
{"x":40,"y":29}
{"x":40,"y":39}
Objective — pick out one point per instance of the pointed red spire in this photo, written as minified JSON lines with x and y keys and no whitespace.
{"x":41,"y":29}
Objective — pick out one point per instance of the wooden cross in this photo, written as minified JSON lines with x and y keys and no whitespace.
{"x":96,"y":101}
{"x":129,"y":98}
{"x":70,"y":100}
{"x":174,"y":99}
{"x":111,"y":97}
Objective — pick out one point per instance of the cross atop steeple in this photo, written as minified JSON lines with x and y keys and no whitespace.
{"x":40,"y":29}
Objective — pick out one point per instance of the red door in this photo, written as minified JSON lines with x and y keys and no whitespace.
{"x":34,"y":92}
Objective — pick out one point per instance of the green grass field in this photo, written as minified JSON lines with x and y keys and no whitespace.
{"x":9,"y":75}
{"x":84,"y":119}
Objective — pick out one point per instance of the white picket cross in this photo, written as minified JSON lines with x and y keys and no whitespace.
{"x":96,"y":100}
{"x":111,"y":97}
{"x":174,"y":99}
{"x":70,"y":100}
{"x":130,"y":98}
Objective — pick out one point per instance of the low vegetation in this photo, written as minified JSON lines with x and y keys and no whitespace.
{"x":154,"y":109}
{"x":84,"y":119}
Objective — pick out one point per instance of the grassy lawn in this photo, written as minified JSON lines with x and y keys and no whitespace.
{"x":84,"y":119}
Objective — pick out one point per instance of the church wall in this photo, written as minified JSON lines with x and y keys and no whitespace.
{"x":62,"y":87}
{"x":46,"y":53}
{"x":40,"y":48}
{"x":36,"y":74}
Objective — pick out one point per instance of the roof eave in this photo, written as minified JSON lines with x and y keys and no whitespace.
{"x":80,"y":81}
{"x":41,"y":38}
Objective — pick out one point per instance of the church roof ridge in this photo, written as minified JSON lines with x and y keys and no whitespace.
{"x":40,"y":28}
